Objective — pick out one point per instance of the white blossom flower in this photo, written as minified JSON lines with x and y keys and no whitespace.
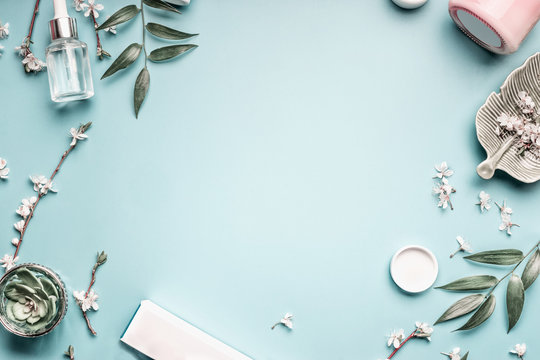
{"x":79,"y":5}
{"x":519,"y":350}
{"x":111,"y":29}
{"x":463,"y":246}
{"x":505,"y":210}
{"x":506,"y":224}
{"x":42,"y":184}
{"x":443,"y":190}
{"x":485,"y":200}
{"x":8,"y":261}
{"x":396,"y":338}
{"x":86,"y":302}
{"x":4,"y":30}
{"x":26,"y":207}
{"x":19,"y":225}
{"x":285,"y":321}
{"x":454,"y":355}
{"x":32,"y":63}
{"x":525,"y":102}
{"x":423,"y":330}
{"x":23,"y":48}
{"x":443,"y":171}
{"x":15,"y":241}
{"x":77,"y":134}
{"x":509,"y":123}
{"x":93,"y":8}
{"x":4,"y":171}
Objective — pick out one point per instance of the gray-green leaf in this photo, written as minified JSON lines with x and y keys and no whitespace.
{"x":497,"y":257}
{"x":158,"y":4}
{"x":166,"y":32}
{"x":121,"y":16}
{"x":482,"y":314}
{"x":532,"y":270}
{"x":466,"y":356}
{"x":461,"y":307}
{"x":477,"y":282}
{"x":515,"y":297}
{"x":126,"y":58}
{"x":141,"y":88}
{"x":27,"y":278}
{"x":169,"y":52}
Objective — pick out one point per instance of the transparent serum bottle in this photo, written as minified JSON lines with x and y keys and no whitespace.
{"x":68,"y":64}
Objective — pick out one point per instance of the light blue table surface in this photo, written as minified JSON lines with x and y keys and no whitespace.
{"x":276,"y":168}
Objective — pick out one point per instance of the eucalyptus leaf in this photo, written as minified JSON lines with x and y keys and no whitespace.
{"x":477,"y":282}
{"x":158,"y":4}
{"x":169,"y":52}
{"x":126,"y":58}
{"x":497,"y":257}
{"x":466,"y":356}
{"x":141,"y":88}
{"x":462,"y":307}
{"x":532,"y":270}
{"x":121,"y":16}
{"x":27,"y":278}
{"x":515,"y":298}
{"x":481,"y":315}
{"x":166,"y":32}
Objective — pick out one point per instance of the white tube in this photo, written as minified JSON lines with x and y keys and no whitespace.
{"x":60,"y":9}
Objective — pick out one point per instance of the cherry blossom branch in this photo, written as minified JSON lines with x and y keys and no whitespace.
{"x":87,"y":300}
{"x":70,"y":353}
{"x":31,"y":30}
{"x":422,"y":330}
{"x":44,"y":186}
{"x":100,"y":52}
{"x":413,"y":334}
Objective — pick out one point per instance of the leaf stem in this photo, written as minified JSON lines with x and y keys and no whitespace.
{"x":144,"y":34}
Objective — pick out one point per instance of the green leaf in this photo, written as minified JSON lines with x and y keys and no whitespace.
{"x":126,"y":58}
{"x":461,"y":307}
{"x":497,"y":257}
{"x":158,"y":4}
{"x":121,"y":16}
{"x":482,"y":314}
{"x":531,"y":271}
{"x":477,"y":282}
{"x":169,"y":52}
{"x":27,"y":278}
{"x":166,"y":32}
{"x":515,"y":297}
{"x":141,"y":88}
{"x":466,"y":356}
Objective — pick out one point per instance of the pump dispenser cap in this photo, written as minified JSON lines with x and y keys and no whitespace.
{"x":62,"y":26}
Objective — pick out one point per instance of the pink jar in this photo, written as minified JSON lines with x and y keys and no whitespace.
{"x":497,"y":25}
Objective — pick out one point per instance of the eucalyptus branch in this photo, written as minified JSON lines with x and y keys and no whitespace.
{"x":483,"y":305}
{"x":88,"y":300}
{"x":133,"y":51}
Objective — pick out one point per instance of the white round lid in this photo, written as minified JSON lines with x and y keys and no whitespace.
{"x":414,"y":268}
{"x":409,"y":4}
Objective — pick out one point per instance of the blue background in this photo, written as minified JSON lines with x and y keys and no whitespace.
{"x":274,"y":169}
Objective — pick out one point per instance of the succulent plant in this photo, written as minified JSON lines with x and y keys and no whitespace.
{"x":31,"y":300}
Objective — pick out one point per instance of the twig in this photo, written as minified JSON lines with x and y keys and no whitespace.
{"x":101,"y":259}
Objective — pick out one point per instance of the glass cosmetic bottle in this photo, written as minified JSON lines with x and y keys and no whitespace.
{"x":68,"y":64}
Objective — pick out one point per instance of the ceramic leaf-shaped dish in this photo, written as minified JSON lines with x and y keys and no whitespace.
{"x":502,"y":152}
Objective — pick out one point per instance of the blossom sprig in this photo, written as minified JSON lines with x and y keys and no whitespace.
{"x":30,"y":62}
{"x":455,"y":354}
{"x":506,"y":218}
{"x":443,"y":189}
{"x":523,"y":127}
{"x":463,"y":246}
{"x":519,"y":350}
{"x":285,"y":321}
{"x":70,"y":352}
{"x":485,"y":201}
{"x":42,"y":186}
{"x":397,"y":339}
{"x":91,"y":10}
{"x":87,"y":300}
{"x":4,"y":170}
